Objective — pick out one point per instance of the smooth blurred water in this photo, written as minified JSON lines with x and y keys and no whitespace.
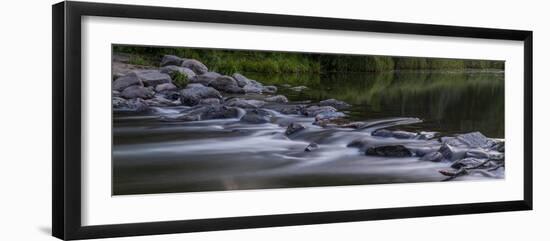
{"x":151,"y":156}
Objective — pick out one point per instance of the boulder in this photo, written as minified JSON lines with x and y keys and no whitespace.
{"x":206,"y":112}
{"x":171,"y":60}
{"x":277,"y":98}
{"x":257,"y":116}
{"x":160,"y":101}
{"x":269,"y":89}
{"x":165,"y":87}
{"x":126,"y":81}
{"x":294,"y":128}
{"x":335,"y":103}
{"x":153,"y":77}
{"x":115,"y":93}
{"x":224,"y":83}
{"x":469,"y":140}
{"x":205,"y":78}
{"x":390,"y":151}
{"x":361,"y":143}
{"x":244,"y":103}
{"x":469,"y":163}
{"x":242,"y":81}
{"x":426,"y":135}
{"x":315,"y":110}
{"x":133,"y":105}
{"x":209,"y":101}
{"x":452,"y":153}
{"x":252,"y":89}
{"x":171,"y":69}
{"x":328,"y":115}
{"x":285,"y":109}
{"x":193,"y":94}
{"x":433,"y":157}
{"x":195,"y":65}
{"x":135,"y":91}
{"x":311,"y":147}
{"x":169,"y":94}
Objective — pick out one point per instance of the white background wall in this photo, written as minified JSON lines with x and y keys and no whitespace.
{"x":25,"y":122}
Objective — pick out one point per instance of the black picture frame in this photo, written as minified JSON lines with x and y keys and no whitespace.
{"x":66,"y":169}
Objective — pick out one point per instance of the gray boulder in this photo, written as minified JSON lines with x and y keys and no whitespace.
{"x":165,"y":87}
{"x":285,"y":109}
{"x":469,"y":140}
{"x":277,"y":98}
{"x":135,"y":91}
{"x":205,"y":78}
{"x":226,"y":84}
{"x":125,"y":81}
{"x":335,"y":103}
{"x":195,"y":65}
{"x":452,"y":153}
{"x":390,"y":151}
{"x":171,"y":60}
{"x":433,"y":157}
{"x":315,"y":110}
{"x":194,"y":93}
{"x":244,"y":103}
{"x":153,"y":78}
{"x":205,"y":112}
{"x":242,"y":81}
{"x":294,"y":128}
{"x":133,"y":105}
{"x":171,"y":69}
{"x":253,"y":89}
{"x":257,"y":116}
{"x":209,"y":101}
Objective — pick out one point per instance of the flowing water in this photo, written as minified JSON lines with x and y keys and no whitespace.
{"x":151,"y":156}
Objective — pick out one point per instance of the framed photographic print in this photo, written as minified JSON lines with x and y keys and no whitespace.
{"x":169,"y":120}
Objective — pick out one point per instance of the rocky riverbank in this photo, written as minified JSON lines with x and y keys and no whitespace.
{"x":193,"y":94}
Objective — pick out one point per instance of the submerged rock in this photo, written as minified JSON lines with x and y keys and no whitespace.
{"x":286,"y":109}
{"x":311,"y":147}
{"x":390,"y":151}
{"x":315,"y":110}
{"x":252,"y":89}
{"x":469,"y":163}
{"x":277,"y":98}
{"x":270,"y":89}
{"x":193,"y":94}
{"x":209,"y":101}
{"x":469,"y":140}
{"x":195,"y":65}
{"x":452,"y":153}
{"x":394,"y":134}
{"x":433,"y":157}
{"x":205,"y":112}
{"x":244,"y":103}
{"x":335,"y":103}
{"x":294,"y":128}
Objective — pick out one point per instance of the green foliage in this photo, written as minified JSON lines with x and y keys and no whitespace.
{"x":231,"y":61}
{"x":179,"y":79}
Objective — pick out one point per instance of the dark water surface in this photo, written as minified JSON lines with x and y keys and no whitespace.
{"x":150,"y":156}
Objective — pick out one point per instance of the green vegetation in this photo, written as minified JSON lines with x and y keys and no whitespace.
{"x":231,"y":61}
{"x":179,"y":79}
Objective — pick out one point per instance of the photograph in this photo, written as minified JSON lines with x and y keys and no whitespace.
{"x":194,"y":119}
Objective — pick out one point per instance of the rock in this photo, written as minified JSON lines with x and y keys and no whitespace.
{"x":329,"y":115}
{"x":153,"y":78}
{"x":269,"y":89}
{"x":171,"y":69}
{"x":452,"y":153}
{"x":257,"y":116}
{"x":245,"y":104}
{"x":160,"y":101}
{"x":193,"y":94}
{"x":470,"y":140}
{"x":311,"y":147}
{"x":133,"y":105}
{"x":277,"y":98}
{"x":195,"y":65}
{"x":250,"y":88}
{"x":394,"y":134}
{"x":298,"y":88}
{"x":498,"y":146}
{"x":170,"y":94}
{"x":294,"y":128}
{"x":209,"y":101}
{"x":226,"y":84}
{"x":433,"y":157}
{"x":135,"y":91}
{"x":206,"y":112}
{"x":115,"y":93}
{"x":165,"y":87}
{"x":171,"y":60}
{"x":391,"y":151}
{"x":126,"y":81}
{"x":426,"y":135}
{"x":286,"y":109}
{"x":242,"y":81}
{"x":354,"y":125}
{"x":315,"y":110}
{"x":205,"y":78}
{"x":477,"y":154}
{"x":335,"y":103}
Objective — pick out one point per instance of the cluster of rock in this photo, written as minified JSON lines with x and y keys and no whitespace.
{"x":466,"y":153}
